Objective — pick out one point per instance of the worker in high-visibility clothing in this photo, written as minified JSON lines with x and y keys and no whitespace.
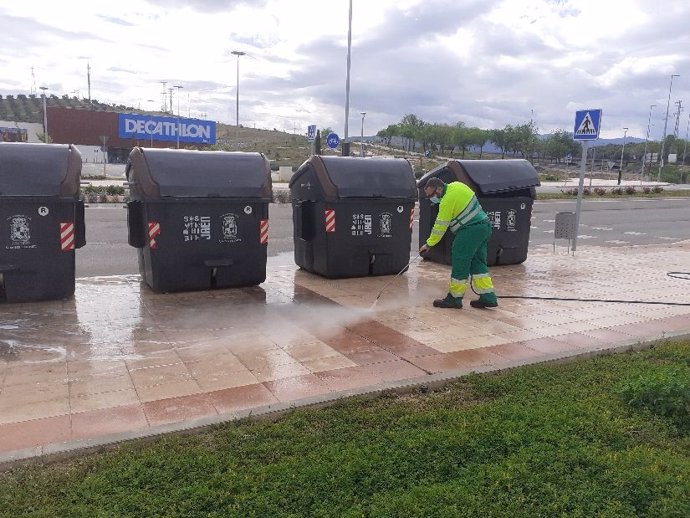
{"x":460,"y":211}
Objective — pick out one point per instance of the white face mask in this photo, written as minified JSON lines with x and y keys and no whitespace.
{"x":435,"y":200}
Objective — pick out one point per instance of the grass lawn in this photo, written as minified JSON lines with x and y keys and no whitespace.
{"x":607,"y":437}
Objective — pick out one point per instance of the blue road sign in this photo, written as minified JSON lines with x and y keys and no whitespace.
{"x":311,"y":132}
{"x":587,"y":124}
{"x":333,"y":140}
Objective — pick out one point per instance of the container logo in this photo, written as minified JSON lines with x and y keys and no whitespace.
{"x":386,"y":224}
{"x":248,"y":210}
{"x":230,"y":228}
{"x":20,"y":232}
{"x":511,"y":220}
{"x":400,"y":209}
{"x":43,"y":211}
{"x":66,"y":236}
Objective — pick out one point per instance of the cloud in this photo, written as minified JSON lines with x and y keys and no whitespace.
{"x":207,"y":6}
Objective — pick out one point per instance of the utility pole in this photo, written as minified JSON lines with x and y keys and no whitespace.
{"x":45,"y":115}
{"x":644,"y":155}
{"x":163,"y":95}
{"x":680,"y":109}
{"x":663,"y":139}
{"x":170,"y":94}
{"x":178,"y":113}
{"x":687,"y":128}
{"x":237,"y":53}
{"x":88,"y":78}
{"x":620,"y":167}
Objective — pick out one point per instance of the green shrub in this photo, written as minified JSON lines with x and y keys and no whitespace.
{"x":657,"y":189}
{"x":630,"y":189}
{"x":548,"y":177}
{"x":115,"y":190}
{"x":646,"y":189}
{"x":600,"y":191}
{"x":664,"y":391}
{"x":616,"y":190}
{"x":281,"y":196}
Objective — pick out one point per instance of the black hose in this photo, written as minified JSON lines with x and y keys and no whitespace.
{"x":676,"y":275}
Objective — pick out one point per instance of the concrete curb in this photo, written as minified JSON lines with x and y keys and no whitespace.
{"x":57,"y":452}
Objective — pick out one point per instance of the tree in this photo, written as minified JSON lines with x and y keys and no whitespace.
{"x":498,"y":137}
{"x":559,"y":144}
{"x":462,"y":137}
{"x":387,"y":134}
{"x":317,"y":143}
{"x":478,"y":138}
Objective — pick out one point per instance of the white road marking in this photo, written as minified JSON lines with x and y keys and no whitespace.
{"x":602,"y":228}
{"x":584,"y":236}
{"x":617,"y":242}
{"x":635,"y":233}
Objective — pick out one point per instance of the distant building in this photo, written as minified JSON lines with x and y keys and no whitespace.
{"x":102,"y":132}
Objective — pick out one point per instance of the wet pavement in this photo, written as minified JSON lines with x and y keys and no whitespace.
{"x":119,"y":361}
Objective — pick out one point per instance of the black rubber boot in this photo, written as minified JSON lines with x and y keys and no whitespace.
{"x":483,"y":304}
{"x":448,"y":302}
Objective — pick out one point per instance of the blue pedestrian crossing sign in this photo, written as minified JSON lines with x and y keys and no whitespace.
{"x":311,"y":132}
{"x":587,"y":125}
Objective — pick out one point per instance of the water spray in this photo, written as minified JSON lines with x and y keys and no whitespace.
{"x":373,"y":305}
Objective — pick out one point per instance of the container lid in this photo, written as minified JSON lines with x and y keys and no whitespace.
{"x":350,"y":177}
{"x":39,"y":169}
{"x":175,"y":173}
{"x":494,"y":176}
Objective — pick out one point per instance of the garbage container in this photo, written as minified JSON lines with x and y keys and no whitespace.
{"x":198,"y":218}
{"x":353,"y":216}
{"x":506,"y":191}
{"x":41,"y":220}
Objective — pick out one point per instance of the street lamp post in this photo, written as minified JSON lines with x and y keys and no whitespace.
{"x":361,"y":149}
{"x":663,"y":140}
{"x":178,"y":114}
{"x":644,"y":155}
{"x":346,"y":143}
{"x":620,"y":167}
{"x":237,"y":53}
{"x":150,"y":119}
{"x":45,"y":115}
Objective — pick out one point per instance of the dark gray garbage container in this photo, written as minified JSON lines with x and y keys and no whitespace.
{"x":41,"y":220}
{"x":353,"y":216}
{"x":506,"y":191}
{"x":199,"y":218}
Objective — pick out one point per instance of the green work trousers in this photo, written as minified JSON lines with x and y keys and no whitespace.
{"x":468,"y":256}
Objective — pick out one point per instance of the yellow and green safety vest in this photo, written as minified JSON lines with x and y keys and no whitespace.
{"x":459,"y":208}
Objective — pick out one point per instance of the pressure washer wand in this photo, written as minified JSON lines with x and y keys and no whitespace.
{"x":393,"y":279}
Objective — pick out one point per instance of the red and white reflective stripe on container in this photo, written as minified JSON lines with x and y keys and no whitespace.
{"x":263,"y":232}
{"x":411,"y":218}
{"x":67,"y":236}
{"x":154,"y":231}
{"x":330,"y":220}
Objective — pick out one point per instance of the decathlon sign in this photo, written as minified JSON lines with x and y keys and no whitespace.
{"x":145,"y":127}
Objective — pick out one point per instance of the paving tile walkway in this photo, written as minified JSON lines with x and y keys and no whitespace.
{"x":118,"y":360}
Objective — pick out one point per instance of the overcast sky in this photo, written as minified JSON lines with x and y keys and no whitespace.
{"x":487,"y":63}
